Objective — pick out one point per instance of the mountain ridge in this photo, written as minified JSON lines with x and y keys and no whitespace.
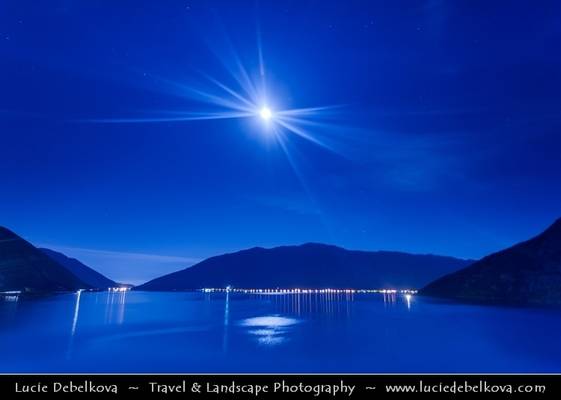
{"x":85,"y":273}
{"x":23,"y":267}
{"x":308,"y":265}
{"x":527,"y":273}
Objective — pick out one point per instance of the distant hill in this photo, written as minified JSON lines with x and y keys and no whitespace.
{"x":83,"y":272}
{"x":309,"y":266}
{"x":24,"y":267}
{"x":528,"y":273}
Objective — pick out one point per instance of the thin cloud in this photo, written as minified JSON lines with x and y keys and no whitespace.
{"x":126,"y":267}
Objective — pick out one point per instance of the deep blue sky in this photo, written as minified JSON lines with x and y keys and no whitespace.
{"x":449,"y":140}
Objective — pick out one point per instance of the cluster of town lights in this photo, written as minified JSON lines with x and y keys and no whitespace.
{"x":119,"y":289}
{"x":308,"y":291}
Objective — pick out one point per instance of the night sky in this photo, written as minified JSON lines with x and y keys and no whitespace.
{"x":444,"y":136}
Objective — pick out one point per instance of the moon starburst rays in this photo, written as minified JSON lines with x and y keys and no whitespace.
{"x":242,"y":98}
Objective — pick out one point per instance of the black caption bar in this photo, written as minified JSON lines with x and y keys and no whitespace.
{"x":279,"y":386}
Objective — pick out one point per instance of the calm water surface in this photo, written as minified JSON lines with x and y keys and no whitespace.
{"x":218,"y":332}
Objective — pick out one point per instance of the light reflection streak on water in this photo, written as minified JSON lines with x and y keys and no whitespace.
{"x":327,"y":304}
{"x":115,"y":307}
{"x":226,"y":321}
{"x":121,"y":307}
{"x":330,"y":304}
{"x":408,"y":298}
{"x":270,"y":329}
{"x":389,"y":299}
{"x":75,"y":316}
{"x":76,"y":312}
{"x":10,"y":298}
{"x":9,"y":308}
{"x":273,"y":330}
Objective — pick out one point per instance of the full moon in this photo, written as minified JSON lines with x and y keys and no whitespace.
{"x":266,"y":113}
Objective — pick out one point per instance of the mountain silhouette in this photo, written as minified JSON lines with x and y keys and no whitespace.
{"x":528,"y":273}
{"x":24,"y":267}
{"x":310,"y":265}
{"x":82,"y":271}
